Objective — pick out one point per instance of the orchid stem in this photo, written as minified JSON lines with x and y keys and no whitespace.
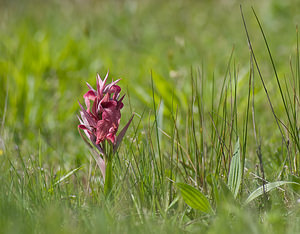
{"x":108,"y":177}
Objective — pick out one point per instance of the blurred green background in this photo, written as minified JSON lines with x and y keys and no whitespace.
{"x":49,"y":49}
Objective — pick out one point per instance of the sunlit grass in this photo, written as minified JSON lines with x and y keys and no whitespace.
{"x":195,"y":89}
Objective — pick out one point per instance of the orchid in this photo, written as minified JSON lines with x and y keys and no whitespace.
{"x":100,"y":121}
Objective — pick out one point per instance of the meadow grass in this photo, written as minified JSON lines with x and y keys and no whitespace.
{"x":216,"y":103}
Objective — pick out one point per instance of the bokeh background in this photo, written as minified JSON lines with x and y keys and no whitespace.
{"x":50,"y":49}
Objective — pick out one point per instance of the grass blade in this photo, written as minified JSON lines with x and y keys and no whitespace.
{"x":268,"y":187}
{"x":65,"y":177}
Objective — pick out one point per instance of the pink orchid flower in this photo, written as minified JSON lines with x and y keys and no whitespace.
{"x":101,"y":121}
{"x":101,"y":118}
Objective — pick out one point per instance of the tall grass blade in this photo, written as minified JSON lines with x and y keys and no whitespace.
{"x":65,"y":177}
{"x":157,"y":133}
{"x":260,"y":76}
{"x":294,"y":134}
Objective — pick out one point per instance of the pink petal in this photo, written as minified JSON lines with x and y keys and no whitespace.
{"x":87,"y":132}
{"x":101,"y":85}
{"x":108,"y":88}
{"x":102,"y":130}
{"x":90,"y":95}
{"x":111,"y":137}
{"x":95,"y":109}
{"x":87,"y":116}
{"x":90,"y":87}
{"x":120,"y":103}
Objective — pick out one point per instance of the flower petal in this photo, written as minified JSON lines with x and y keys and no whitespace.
{"x":101,"y":85}
{"x":87,"y":116}
{"x":108,"y":88}
{"x":102,"y":130}
{"x":90,"y":95}
{"x":90,"y":87}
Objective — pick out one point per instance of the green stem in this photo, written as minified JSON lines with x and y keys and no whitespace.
{"x":108,"y":176}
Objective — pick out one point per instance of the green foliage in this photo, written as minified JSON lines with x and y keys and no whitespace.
{"x":65,"y":177}
{"x":206,"y":91}
{"x":235,"y":172}
{"x":266,"y":188}
{"x":194,"y":198}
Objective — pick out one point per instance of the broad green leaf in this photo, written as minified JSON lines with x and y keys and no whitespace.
{"x":268,"y":187}
{"x":235,"y":172}
{"x":194,"y":198}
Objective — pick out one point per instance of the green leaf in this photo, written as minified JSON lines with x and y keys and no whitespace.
{"x":225,"y":193}
{"x":268,"y":187}
{"x":296,"y":179}
{"x":194,"y":198}
{"x":235,"y":172}
{"x":121,"y":135}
